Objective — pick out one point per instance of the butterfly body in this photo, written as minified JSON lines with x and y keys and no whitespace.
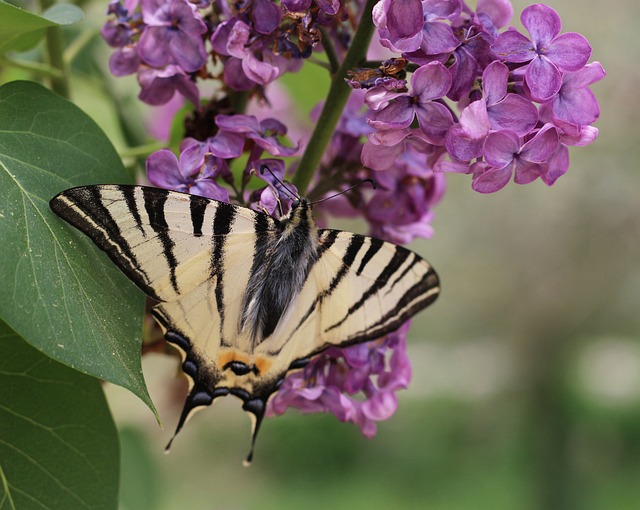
{"x":243,"y":296}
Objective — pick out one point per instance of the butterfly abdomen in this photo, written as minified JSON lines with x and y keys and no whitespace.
{"x":281,"y":264}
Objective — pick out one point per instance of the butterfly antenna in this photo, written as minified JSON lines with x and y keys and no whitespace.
{"x":374,"y":185}
{"x":292,"y":195}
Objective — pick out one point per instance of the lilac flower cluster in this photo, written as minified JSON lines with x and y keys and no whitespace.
{"x":357,"y":384}
{"x":449,"y":94}
{"x":172,"y":43}
{"x":494,"y":105}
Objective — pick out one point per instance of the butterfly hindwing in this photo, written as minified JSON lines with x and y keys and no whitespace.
{"x":359,"y":289}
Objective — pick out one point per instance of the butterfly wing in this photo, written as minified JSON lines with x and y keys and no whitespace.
{"x":167,"y":243}
{"x":359,"y":289}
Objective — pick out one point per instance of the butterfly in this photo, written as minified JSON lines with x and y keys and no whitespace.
{"x":245,"y":297}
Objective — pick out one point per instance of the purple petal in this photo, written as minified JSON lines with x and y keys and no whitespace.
{"x":526,"y":172}
{"x":380,"y":157}
{"x":492,"y":180}
{"x":441,"y":9}
{"x":465,"y":141}
{"x":234,"y":75}
{"x":398,"y":114}
{"x":584,"y":77}
{"x":188,"y":89}
{"x":208,"y":188}
{"x":584,"y":136}
{"x":262,"y":71}
{"x":543,"y":79}
{"x":154,"y":89}
{"x":541,"y":146}
{"x":153,"y":48}
{"x":513,"y":113}
{"x":494,"y":82}
{"x":542,"y":22}
{"x":381,"y":406}
{"x":512,"y":46}
{"x":265,"y":16}
{"x":437,"y":38}
{"x":500,"y":148}
{"x":187,"y":52}
{"x":463,"y":72}
{"x":570,"y":51}
{"x":557,"y":166}
{"x":191,"y":159}
{"x":435,"y":120}
{"x":124,"y":61}
{"x":499,"y":11}
{"x":475,"y":120}
{"x":431,"y":81}
{"x":578,"y":107}
{"x":238,"y":123}
{"x":377,"y":98}
{"x":394,"y":31}
{"x":404,"y":18}
{"x":462,"y":147}
{"x":163,"y":170}
{"x":238,"y":39}
{"x":220,"y":37}
{"x":187,"y":19}
{"x":226,"y":144}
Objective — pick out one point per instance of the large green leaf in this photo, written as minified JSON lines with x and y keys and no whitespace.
{"x":58,"y":291}
{"x":58,"y":443}
{"x":20,"y":30}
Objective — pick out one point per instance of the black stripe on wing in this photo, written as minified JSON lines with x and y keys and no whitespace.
{"x":84,"y":208}
{"x":419,"y":296}
{"x":222,"y":221}
{"x":399,"y":257}
{"x":154,"y":202}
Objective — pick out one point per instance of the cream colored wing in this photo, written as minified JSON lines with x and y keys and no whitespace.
{"x":167,"y":243}
{"x":360,"y":289}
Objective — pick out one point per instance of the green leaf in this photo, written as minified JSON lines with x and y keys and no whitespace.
{"x":21,"y":30}
{"x":59,"y":292}
{"x":58,"y":443}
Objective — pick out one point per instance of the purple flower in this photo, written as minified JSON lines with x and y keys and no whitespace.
{"x":124,"y":61}
{"x":357,"y":384}
{"x":172,"y":35}
{"x":409,"y":25}
{"x":497,"y":110}
{"x":499,"y":12}
{"x":547,"y":53}
{"x":264,"y":133}
{"x":401,"y":208}
{"x":507,"y":156}
{"x":385,"y":147}
{"x":397,"y":110}
{"x":194,"y":173}
{"x":158,"y":86}
{"x":574,"y":102}
{"x":235,"y":38}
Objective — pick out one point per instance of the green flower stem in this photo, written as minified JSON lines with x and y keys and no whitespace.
{"x":37,"y":68}
{"x":335,"y":102}
{"x":54,"y":48}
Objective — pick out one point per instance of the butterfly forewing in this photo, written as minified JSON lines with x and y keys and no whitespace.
{"x":163,"y":241}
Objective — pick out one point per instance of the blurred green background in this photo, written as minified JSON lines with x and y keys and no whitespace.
{"x":526,"y":386}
